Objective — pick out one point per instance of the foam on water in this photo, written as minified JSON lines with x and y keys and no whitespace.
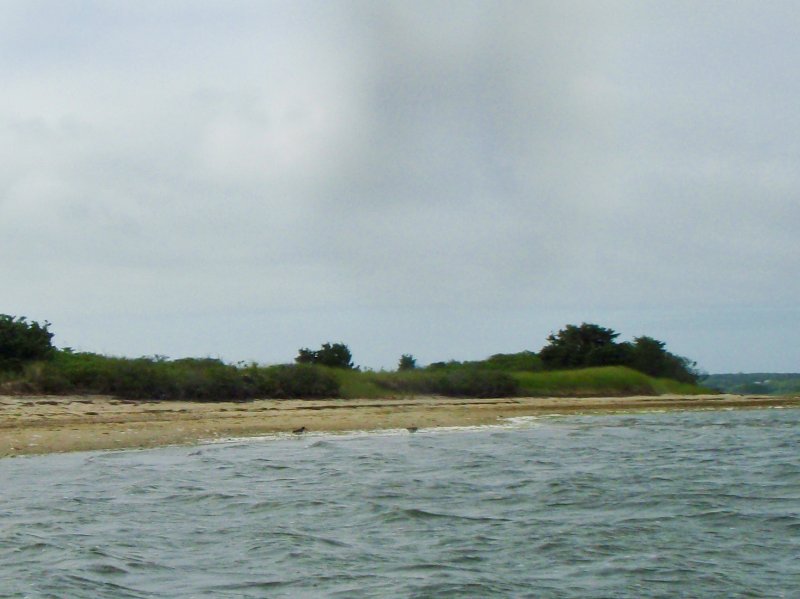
{"x":503,"y":423}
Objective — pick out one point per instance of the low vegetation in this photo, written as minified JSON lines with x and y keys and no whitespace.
{"x":608,"y":381}
{"x":759,"y":383}
{"x":590,"y":345}
{"x":205,"y":379}
{"x":336,"y":355}
{"x":578,"y":361}
{"x":22,"y":342}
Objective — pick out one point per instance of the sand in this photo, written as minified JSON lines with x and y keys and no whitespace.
{"x":47,"y":424}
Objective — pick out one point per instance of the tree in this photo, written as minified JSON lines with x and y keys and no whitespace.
{"x":336,"y":355}
{"x":306,"y":356}
{"x":407,"y":362}
{"x":650,"y":356}
{"x":581,"y":346}
{"x":22,"y":341}
{"x":521,"y":361}
{"x":593,"y":345}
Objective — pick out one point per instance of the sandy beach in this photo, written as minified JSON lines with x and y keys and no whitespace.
{"x":46,"y":424}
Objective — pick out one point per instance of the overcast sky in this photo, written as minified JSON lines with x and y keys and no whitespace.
{"x":448,"y":179}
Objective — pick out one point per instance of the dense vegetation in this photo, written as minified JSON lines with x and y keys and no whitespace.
{"x":22,"y":342}
{"x":469,"y":381}
{"x":580,"y":360}
{"x":759,"y":383}
{"x":336,"y":355}
{"x":590,"y":345}
{"x":202,"y":379}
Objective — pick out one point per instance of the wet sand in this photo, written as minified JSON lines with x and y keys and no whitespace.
{"x":47,"y":424}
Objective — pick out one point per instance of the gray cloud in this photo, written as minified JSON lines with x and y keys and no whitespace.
{"x":450,"y":179}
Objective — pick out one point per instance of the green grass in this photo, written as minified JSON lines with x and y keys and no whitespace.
{"x":458,"y":382}
{"x":602,"y":381}
{"x":614,"y":381}
{"x":208,"y":379}
{"x":354,"y":384}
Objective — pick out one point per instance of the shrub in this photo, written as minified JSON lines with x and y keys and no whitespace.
{"x":336,"y":355}
{"x":522,"y":361}
{"x":590,"y":345}
{"x":203,"y":379}
{"x":461,"y":382}
{"x":478,"y":383}
{"x":579,"y":346}
{"x":407,"y":362}
{"x":301,"y":381}
{"x":22,"y":342}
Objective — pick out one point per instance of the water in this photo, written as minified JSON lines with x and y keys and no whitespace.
{"x":687,"y":504}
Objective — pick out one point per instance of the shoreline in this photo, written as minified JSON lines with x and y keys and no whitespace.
{"x":55,"y":424}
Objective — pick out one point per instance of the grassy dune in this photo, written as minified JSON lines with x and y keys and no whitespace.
{"x":208,"y":379}
{"x":587,"y":382}
{"x":603,"y":381}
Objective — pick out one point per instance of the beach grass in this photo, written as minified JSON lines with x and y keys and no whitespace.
{"x":600,"y":381}
{"x":354,"y":384}
{"x":610,"y":381}
{"x":210,"y":379}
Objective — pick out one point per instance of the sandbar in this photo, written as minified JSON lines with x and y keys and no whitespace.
{"x":50,"y":424}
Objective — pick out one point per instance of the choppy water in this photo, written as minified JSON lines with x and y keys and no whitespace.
{"x":691,"y":504}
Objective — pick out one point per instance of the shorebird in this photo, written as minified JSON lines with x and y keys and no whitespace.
{"x":300,"y":431}
{"x":412,"y":429}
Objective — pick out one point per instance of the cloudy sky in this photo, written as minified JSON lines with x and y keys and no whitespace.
{"x":448,"y":179}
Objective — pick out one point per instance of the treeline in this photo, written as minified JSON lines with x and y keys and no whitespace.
{"x":758,"y":383}
{"x":578,"y":360}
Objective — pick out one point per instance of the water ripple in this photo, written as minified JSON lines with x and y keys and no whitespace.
{"x":663,"y":505}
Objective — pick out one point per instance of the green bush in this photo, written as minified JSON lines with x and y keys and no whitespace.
{"x":457,"y":382}
{"x":478,"y":383}
{"x":578,"y":347}
{"x":301,"y":381}
{"x":204,"y":379}
{"x":336,"y":355}
{"x":522,"y":361}
{"x":22,"y":342}
{"x":407,"y":362}
{"x":590,"y":345}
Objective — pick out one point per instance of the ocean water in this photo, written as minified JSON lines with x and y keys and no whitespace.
{"x":681,"y":504}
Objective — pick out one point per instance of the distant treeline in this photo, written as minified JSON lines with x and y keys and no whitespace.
{"x":757,"y":383}
{"x":579,"y":360}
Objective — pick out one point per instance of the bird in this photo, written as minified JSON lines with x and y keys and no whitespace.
{"x":300,"y":431}
{"x":412,"y":429}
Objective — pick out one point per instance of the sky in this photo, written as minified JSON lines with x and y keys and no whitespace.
{"x":449,"y":179}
